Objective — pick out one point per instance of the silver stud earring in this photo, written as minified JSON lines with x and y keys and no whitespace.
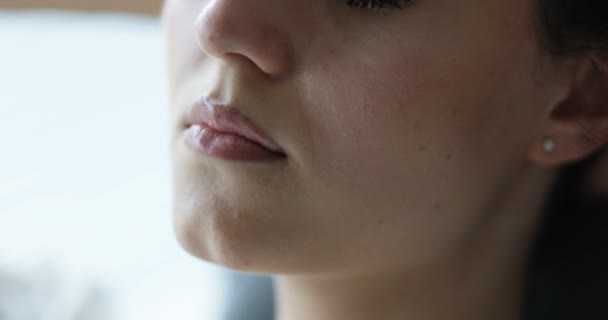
{"x":549,"y":145}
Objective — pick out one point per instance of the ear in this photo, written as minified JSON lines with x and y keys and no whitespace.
{"x":578,"y":124}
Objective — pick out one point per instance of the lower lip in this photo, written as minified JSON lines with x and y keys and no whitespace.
{"x":207,"y":141}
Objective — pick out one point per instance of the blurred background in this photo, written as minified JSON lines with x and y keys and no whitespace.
{"x":85,"y":186}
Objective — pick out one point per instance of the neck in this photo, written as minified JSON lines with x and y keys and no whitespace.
{"x":483,"y":280}
{"x":399,"y":297}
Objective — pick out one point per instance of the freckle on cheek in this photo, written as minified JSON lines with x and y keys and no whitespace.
{"x":380,"y":221}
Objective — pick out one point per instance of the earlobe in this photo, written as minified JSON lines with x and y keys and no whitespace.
{"x":549,"y":152}
{"x":578,"y":125}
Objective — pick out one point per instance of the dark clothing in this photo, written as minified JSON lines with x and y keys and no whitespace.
{"x":568,"y":277}
{"x":568,"y":270}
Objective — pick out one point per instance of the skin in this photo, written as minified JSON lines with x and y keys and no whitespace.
{"x":415,"y":173}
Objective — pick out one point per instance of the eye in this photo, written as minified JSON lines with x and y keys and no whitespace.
{"x":377,"y":4}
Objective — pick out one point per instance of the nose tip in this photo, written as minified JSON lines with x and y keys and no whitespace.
{"x":234,"y":27}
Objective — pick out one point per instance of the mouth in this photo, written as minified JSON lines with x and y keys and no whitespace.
{"x":223,"y":131}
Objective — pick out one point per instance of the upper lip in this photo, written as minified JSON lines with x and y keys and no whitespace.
{"x":228,"y":119}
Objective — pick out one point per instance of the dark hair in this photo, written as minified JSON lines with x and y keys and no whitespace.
{"x":568,"y":264}
{"x":574,"y":26}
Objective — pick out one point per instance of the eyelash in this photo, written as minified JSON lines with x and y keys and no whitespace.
{"x":377,"y":4}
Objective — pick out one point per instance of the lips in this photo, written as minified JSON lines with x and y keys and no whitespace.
{"x":230,"y":120}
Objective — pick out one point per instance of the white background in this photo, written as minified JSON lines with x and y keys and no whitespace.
{"x":85,"y":188}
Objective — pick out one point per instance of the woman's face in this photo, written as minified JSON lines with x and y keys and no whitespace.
{"x":402,"y":128}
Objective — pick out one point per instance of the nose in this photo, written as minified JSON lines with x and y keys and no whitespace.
{"x":238,"y":31}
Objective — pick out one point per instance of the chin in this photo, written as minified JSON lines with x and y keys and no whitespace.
{"x":233,"y":238}
{"x":250,"y":241}
{"x":246,"y":226}
{"x":212,"y":234}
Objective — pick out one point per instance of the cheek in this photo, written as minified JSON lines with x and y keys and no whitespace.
{"x":410,"y":131}
{"x":386,"y":139}
{"x":389,"y":113}
{"x":405,"y":146}
{"x":392,"y":99}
